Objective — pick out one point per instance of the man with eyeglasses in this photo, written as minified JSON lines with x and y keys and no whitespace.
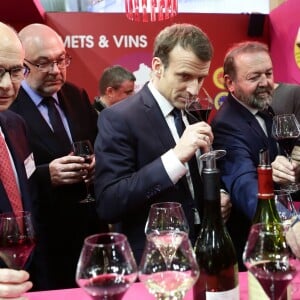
{"x":17,"y":185}
{"x":58,"y":113}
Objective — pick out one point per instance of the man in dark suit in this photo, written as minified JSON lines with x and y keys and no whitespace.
{"x":140,"y":157}
{"x":59,"y":173}
{"x":238,"y":129}
{"x":13,"y":131}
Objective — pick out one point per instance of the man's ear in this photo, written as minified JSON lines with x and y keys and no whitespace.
{"x":157,"y":66}
{"x":228,"y":82}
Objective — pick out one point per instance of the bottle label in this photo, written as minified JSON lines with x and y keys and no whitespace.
{"x":233,"y":294}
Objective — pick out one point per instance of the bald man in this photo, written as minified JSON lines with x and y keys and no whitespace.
{"x":13,"y":283}
{"x":60,"y":173}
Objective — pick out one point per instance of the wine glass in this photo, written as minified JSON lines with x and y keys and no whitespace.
{"x":268,"y":258}
{"x":286,"y":130}
{"x":285,"y":207}
{"x":106,"y":267}
{"x":85,"y":149}
{"x":17,"y":238}
{"x":164,"y":217}
{"x":198,"y":109}
{"x":169,"y":280}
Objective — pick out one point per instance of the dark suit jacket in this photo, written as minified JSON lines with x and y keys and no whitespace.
{"x":16,"y":136}
{"x":66,"y":221}
{"x":130,"y":176}
{"x":237,"y":131}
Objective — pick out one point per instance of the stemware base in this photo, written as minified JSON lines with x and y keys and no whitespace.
{"x":89,"y":198}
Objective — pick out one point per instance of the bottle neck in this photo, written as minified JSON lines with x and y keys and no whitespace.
{"x":211,"y":188}
{"x":266,"y":209}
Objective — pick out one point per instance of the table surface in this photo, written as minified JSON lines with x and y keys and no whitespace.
{"x":138,"y":291}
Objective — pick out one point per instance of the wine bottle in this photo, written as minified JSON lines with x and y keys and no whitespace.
{"x":266,"y":212}
{"x":214,"y":249}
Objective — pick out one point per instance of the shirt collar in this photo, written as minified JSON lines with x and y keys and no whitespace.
{"x":251,"y":110}
{"x":165,"y":106}
{"x":34,"y":96}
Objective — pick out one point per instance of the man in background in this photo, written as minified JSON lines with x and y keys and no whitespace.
{"x":57,"y":113}
{"x":116,"y":83}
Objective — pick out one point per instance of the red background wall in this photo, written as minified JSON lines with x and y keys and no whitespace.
{"x":83,"y":31}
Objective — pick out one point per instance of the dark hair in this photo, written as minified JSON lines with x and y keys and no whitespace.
{"x":113,"y":77}
{"x":188,"y":37}
{"x":240,"y":48}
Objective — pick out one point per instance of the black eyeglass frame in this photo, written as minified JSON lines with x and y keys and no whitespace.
{"x":46,"y":66}
{"x":19,"y":77}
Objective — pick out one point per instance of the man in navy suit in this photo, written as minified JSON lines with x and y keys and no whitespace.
{"x":140,"y":158}
{"x":59,"y":173}
{"x":237,"y":128}
{"x":14,"y":283}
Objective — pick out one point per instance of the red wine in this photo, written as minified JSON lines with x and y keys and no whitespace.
{"x":287,"y":144}
{"x":274,"y":277}
{"x":15,"y":252}
{"x":107,"y":287}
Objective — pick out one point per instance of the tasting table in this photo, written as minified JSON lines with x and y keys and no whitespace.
{"x":138,"y":291}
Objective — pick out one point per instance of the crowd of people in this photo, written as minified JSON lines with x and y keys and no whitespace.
{"x":141,"y":156}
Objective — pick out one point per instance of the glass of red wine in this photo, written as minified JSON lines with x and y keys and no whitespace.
{"x":268,"y":258}
{"x":85,"y":149}
{"x":17,"y":238}
{"x":106,"y":267}
{"x":286,"y":130}
{"x":169,"y":269}
{"x":198,"y":110}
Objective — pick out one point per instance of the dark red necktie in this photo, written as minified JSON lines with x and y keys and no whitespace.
{"x":8,"y":178}
{"x":193,"y":165}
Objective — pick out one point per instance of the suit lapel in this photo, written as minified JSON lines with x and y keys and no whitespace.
{"x":13,"y":142}
{"x":160,"y":126}
{"x":157,"y":120}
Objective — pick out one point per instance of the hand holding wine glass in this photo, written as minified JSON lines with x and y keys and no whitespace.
{"x":85,"y":149}
{"x":268,"y":258}
{"x":17,"y":238}
{"x":106,"y":267}
{"x":194,"y":109}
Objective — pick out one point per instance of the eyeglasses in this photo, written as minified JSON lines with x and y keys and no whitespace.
{"x":61,"y":63}
{"x":16,"y":73}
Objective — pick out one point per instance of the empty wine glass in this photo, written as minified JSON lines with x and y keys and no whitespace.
{"x":17,"y":238}
{"x":268,"y":258}
{"x":164,"y":217}
{"x":106,"y":267}
{"x":85,"y":149}
{"x":285,"y":207}
{"x":286,"y":130}
{"x":169,"y":281}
